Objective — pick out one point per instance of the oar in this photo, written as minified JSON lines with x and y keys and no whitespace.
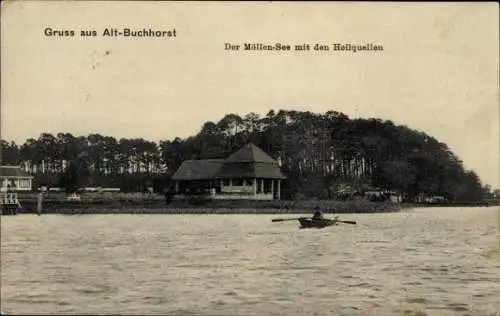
{"x":336,"y":219}
{"x":285,"y":219}
{"x":347,"y":222}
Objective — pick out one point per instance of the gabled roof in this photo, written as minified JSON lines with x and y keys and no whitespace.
{"x":13,"y":171}
{"x":198,"y":169}
{"x":248,"y":162}
{"x":251,"y":170}
{"x":250,"y":153}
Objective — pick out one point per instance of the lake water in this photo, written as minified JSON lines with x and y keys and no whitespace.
{"x":441,"y":261}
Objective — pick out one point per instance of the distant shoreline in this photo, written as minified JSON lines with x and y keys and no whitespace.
{"x":155,"y":205}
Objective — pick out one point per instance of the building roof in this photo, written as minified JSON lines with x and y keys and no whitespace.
{"x":250,"y":170}
{"x":13,"y":172}
{"x":250,"y":153}
{"x":198,"y":169}
{"x":248,"y":162}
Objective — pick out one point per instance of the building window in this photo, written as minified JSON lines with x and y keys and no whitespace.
{"x":24,"y":183}
{"x":237,"y":182}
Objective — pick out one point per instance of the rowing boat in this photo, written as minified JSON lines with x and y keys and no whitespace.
{"x":316,"y":223}
{"x":306,"y":222}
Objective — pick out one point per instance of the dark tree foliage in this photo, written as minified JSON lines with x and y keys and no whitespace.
{"x":69,"y":179}
{"x":323,"y":155}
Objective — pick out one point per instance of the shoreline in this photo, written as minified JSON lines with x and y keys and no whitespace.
{"x":226,"y":207}
{"x":158,"y":206}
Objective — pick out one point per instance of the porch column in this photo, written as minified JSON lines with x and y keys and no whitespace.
{"x":176,"y":187}
{"x":262,"y":186}
{"x":254,"y":187}
{"x":278,"y":195}
{"x":272,"y":188}
{"x":230,"y":184}
{"x":221,"y":185}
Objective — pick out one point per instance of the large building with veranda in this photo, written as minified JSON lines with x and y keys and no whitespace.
{"x":250,"y":173}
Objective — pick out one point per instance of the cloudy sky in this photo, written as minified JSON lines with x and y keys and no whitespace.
{"x":438,"y":72}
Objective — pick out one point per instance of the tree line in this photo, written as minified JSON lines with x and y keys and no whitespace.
{"x":325,"y":155}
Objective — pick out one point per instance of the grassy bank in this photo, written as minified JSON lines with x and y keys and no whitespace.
{"x":137,"y":203}
{"x":149,"y":204}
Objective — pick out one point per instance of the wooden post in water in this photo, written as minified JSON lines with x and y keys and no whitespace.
{"x":39,"y":204}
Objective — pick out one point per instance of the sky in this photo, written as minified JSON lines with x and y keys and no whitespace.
{"x":438,"y":71}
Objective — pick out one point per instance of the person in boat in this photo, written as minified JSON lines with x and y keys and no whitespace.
{"x":318,"y":215}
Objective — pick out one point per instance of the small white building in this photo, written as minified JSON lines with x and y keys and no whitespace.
{"x":14,"y":179}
